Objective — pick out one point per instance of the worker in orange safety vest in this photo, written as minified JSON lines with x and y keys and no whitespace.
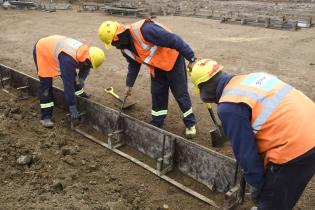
{"x":270,"y":126}
{"x":164,"y":53}
{"x":60,"y":56}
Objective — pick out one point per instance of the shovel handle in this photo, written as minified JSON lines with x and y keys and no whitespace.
{"x":212,"y":115}
{"x":111,"y":92}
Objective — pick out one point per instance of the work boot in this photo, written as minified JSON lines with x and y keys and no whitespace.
{"x":84,"y":95}
{"x":47,"y":123}
{"x":190,"y":132}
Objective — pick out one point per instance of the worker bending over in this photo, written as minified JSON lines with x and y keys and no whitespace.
{"x":270,"y":126}
{"x":61,"y":56}
{"x":149,"y":42}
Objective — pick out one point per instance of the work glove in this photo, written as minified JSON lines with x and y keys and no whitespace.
{"x":255,"y":194}
{"x":74,"y":115}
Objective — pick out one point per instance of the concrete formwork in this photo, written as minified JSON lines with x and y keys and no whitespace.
{"x":170,"y":152}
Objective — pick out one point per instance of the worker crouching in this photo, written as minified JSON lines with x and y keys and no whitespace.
{"x":148,"y":42}
{"x":60,"y":56}
{"x":269,"y":124}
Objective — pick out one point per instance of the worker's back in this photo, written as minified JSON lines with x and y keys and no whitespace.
{"x":281,"y":115}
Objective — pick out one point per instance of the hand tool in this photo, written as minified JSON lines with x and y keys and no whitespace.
{"x":110,"y":91}
{"x":217,"y":135}
{"x":119,"y":123}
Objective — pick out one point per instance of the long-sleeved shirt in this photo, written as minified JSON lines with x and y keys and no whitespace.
{"x":156,"y":35}
{"x":236,"y":123}
{"x":68,"y":68}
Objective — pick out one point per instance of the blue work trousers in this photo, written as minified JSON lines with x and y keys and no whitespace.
{"x":176,"y":80}
{"x":285,"y":183}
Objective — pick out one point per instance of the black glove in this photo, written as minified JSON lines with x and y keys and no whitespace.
{"x":255,"y":194}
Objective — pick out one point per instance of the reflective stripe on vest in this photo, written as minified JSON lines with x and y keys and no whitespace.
{"x":188,"y":112}
{"x":269,"y":105}
{"x":129,"y":53}
{"x":79,"y":92}
{"x":135,"y":28}
{"x":159,"y":113}
{"x":69,"y":45}
{"x":47,"y":105}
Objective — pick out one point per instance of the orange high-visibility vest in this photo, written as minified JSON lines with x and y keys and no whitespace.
{"x":49,"y":48}
{"x":148,"y":53}
{"x":282,"y":117}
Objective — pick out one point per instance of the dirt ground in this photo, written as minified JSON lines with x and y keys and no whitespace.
{"x":289,"y":55}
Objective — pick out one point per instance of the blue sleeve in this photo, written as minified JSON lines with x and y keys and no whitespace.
{"x":157,"y":35}
{"x":84,"y":73}
{"x":68,"y":72}
{"x":133,"y":70}
{"x":236,"y":123}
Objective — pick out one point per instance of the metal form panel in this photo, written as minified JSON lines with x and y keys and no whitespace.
{"x":206,"y":166}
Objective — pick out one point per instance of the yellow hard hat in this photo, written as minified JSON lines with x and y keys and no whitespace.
{"x":202,"y":71}
{"x":97,"y":56}
{"x":107,"y":31}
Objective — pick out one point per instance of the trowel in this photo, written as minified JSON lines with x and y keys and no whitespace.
{"x":217,"y":135}
{"x":125,"y":105}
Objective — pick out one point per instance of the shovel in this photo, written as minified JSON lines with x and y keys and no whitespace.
{"x":123,"y":105}
{"x":217,"y":135}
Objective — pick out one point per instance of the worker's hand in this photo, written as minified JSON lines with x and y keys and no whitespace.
{"x":74,"y":115}
{"x":255,"y":193}
{"x":191,"y":65}
{"x":128,"y":91}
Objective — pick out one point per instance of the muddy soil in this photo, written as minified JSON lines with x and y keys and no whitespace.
{"x":290,"y":55}
{"x":59,"y":169}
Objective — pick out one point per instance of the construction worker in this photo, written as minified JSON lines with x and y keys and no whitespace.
{"x":163,"y":52}
{"x":270,"y":126}
{"x":61,"y":56}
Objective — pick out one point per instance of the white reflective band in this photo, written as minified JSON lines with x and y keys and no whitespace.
{"x":270,"y":106}
{"x":159,"y":113}
{"x":79,"y":92}
{"x":188,"y":112}
{"x":70,"y":45}
{"x":58,"y":46}
{"x":73,"y":43}
{"x":47,"y":105}
{"x":152,"y":51}
{"x":71,"y":51}
{"x":143,"y":45}
{"x":129,"y":53}
{"x":240,"y":92}
{"x":135,"y":30}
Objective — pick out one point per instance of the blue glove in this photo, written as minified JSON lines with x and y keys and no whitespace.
{"x":74,"y":114}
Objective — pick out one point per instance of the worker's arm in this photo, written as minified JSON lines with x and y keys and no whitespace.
{"x":236,"y":122}
{"x":157,"y":35}
{"x":83,"y":74}
{"x":133,"y":71}
{"x":68,"y":72}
